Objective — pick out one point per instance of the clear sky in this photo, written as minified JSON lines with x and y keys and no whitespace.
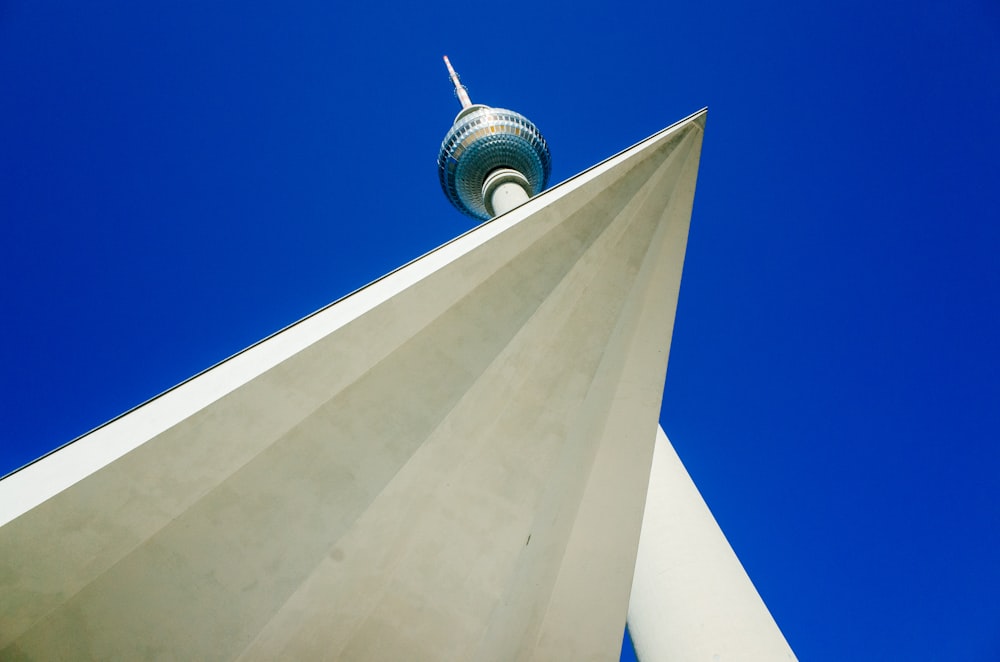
{"x":178,"y":180}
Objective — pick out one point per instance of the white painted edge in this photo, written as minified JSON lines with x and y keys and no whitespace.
{"x":42,"y":479}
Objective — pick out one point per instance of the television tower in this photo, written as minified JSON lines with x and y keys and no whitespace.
{"x":492,"y":159}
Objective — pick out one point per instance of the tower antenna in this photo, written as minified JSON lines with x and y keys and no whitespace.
{"x":463,"y":94}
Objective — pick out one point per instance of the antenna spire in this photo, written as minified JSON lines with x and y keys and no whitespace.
{"x":463,"y":94}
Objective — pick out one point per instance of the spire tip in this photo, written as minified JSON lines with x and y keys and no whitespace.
{"x":460,"y":91}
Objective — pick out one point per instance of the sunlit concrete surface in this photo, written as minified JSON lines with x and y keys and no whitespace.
{"x":450,"y":464}
{"x":691,"y":598}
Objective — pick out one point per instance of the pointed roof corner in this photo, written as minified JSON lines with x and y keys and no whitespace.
{"x":700,"y":117}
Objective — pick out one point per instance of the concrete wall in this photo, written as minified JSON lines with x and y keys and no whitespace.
{"x":449,"y":464}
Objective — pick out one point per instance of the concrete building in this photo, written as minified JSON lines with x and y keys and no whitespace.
{"x":449,"y":464}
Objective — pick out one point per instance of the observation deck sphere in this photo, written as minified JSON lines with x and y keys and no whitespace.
{"x":482,"y":140}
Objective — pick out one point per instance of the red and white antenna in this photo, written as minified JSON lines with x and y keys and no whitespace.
{"x":460,"y":91}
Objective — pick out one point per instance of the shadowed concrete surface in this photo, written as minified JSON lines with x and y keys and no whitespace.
{"x":449,"y":464}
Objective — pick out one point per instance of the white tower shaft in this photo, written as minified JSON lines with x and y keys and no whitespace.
{"x":505,"y":189}
{"x":507,"y":196}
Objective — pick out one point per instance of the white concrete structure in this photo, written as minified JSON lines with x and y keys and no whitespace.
{"x":503,"y":190}
{"x":449,"y":464}
{"x":691,"y":598}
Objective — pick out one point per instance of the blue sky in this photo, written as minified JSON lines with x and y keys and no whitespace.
{"x":178,"y":181}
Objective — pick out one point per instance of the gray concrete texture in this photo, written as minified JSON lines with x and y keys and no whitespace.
{"x":458,"y":473}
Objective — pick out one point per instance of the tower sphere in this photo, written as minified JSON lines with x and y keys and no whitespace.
{"x":482,"y":141}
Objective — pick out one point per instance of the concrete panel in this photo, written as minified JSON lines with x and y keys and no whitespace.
{"x":449,"y":464}
{"x":691,"y":598}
